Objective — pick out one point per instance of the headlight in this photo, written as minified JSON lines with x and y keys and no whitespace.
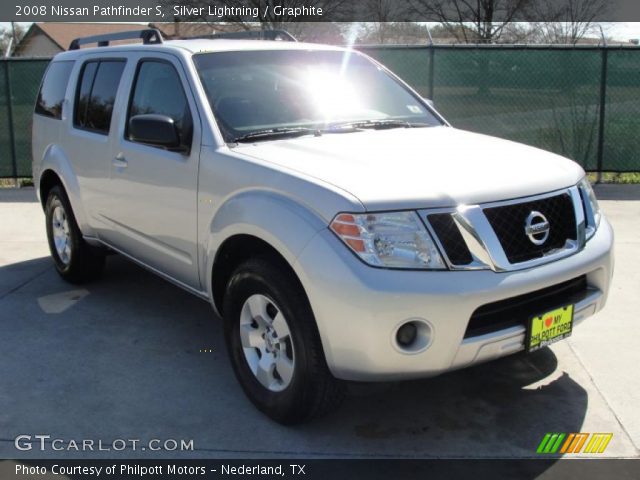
{"x":591,"y":207}
{"x":391,"y":239}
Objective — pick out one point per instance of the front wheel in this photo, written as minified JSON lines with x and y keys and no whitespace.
{"x":76,"y":261}
{"x":274,"y":344}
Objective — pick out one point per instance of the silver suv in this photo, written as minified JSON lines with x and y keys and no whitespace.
{"x":340,"y":226}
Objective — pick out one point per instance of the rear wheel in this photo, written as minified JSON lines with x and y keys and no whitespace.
{"x":76,"y":261}
{"x":274,"y":344}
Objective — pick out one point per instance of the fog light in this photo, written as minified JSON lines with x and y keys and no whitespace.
{"x":413,"y":335}
{"x":407,"y":334}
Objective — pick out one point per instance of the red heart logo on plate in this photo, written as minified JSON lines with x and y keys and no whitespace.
{"x":548,"y":322}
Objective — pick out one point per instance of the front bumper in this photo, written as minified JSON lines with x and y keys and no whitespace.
{"x":358,"y":308}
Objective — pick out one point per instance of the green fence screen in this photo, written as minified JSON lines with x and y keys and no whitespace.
{"x":622,"y":111}
{"x":19,"y":83}
{"x":548,"y":97}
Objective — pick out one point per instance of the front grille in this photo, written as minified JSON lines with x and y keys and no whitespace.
{"x":450,"y":238}
{"x":513,"y":311}
{"x":508,"y":222}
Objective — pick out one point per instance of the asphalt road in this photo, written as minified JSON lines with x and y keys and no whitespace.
{"x":133,"y":357}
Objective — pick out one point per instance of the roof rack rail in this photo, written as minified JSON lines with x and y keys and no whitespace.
{"x":148,"y":35}
{"x":281,"y":35}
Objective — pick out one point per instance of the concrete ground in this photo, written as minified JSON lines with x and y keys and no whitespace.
{"x":133,"y":357}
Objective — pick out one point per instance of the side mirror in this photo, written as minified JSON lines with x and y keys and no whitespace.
{"x":429,"y":102}
{"x":158,"y":130}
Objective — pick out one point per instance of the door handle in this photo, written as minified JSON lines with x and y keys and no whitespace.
{"x":119,"y":161}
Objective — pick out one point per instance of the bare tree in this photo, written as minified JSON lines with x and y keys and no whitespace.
{"x":380,"y":15}
{"x":10,"y":36}
{"x":393,"y":33}
{"x":472,"y":21}
{"x":316,"y":32}
{"x":567,"y":21}
{"x":518,"y":32}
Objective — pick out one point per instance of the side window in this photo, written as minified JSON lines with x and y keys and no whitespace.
{"x":52,"y":91}
{"x":158,"y":90}
{"x":83,"y":93}
{"x":96,"y":94}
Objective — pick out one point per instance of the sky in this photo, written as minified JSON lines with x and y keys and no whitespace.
{"x":623,"y":30}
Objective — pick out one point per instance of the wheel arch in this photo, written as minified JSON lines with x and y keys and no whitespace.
{"x":56,"y":168}
{"x":48,"y":179}
{"x":255,"y":222}
{"x":234,"y":251}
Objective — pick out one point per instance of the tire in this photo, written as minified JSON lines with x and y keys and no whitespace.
{"x":305,"y":389}
{"x":75,"y":260}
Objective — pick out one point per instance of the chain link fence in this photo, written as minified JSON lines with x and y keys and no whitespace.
{"x":580,"y":102}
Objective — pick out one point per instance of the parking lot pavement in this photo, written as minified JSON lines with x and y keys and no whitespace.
{"x":133,"y":357}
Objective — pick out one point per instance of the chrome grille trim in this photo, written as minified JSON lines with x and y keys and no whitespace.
{"x":483,"y":243}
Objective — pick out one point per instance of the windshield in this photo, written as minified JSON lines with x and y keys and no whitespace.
{"x":253,"y":92}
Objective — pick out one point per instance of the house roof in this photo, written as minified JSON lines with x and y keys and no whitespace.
{"x":63,"y":33}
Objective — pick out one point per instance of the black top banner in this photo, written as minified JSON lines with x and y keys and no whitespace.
{"x":283,"y":11}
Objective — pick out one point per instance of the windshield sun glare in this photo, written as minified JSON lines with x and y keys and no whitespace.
{"x":253,"y":92}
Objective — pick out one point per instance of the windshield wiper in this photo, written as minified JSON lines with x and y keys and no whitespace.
{"x":374,"y":124}
{"x":279,"y":132}
{"x":351,"y":126}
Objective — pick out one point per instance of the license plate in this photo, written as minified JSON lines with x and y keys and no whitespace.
{"x":550,"y":327}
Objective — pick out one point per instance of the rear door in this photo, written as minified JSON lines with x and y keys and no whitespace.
{"x":153,"y":190}
{"x":90,"y":128}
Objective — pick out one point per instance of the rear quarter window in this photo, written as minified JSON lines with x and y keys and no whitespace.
{"x":96,"y":94}
{"x":54,"y":86}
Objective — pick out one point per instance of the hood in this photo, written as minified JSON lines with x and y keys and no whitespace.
{"x":411,"y":168}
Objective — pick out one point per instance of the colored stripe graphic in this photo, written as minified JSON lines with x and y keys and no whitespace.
{"x":555,"y":442}
{"x":567,"y":443}
{"x":550,"y":443}
{"x":543,"y":443}
{"x":605,"y":443}
{"x":577,"y":443}
{"x":598,"y":442}
{"x":556,"y":445}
